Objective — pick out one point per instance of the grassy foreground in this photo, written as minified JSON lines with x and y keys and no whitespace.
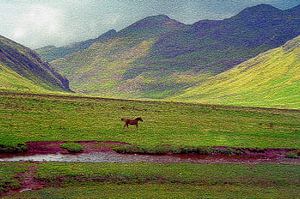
{"x":95,"y":190}
{"x":57,"y":118}
{"x":110,"y":180}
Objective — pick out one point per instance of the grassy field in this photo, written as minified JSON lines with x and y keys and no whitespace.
{"x":8,"y":171}
{"x":138,"y":180}
{"x":271,"y":79}
{"x":95,"y":190}
{"x":45,"y":118}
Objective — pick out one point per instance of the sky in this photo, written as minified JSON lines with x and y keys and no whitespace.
{"x":37,"y":23}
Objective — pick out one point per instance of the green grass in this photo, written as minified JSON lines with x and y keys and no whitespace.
{"x":8,"y":172}
{"x":143,"y":180}
{"x":96,"y":190}
{"x":72,"y":147}
{"x":206,"y":174}
{"x":62,"y":118}
{"x":271,"y":79}
{"x":12,"y":81}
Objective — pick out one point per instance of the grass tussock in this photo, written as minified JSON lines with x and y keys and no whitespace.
{"x":72,"y":147}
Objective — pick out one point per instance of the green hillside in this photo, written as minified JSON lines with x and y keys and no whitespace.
{"x":12,"y":81}
{"x":22,"y":70}
{"x":271,"y":79}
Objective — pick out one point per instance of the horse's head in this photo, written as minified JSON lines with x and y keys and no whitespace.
{"x":139,"y":119}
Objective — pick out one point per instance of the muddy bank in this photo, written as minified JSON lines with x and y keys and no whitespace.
{"x":47,"y":148}
{"x":106,"y":152}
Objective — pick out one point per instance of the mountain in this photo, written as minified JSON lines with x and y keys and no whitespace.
{"x":21,"y":69}
{"x":158,"y":57}
{"x":151,"y":26}
{"x":216,"y":46}
{"x":272,"y":79}
{"x":99,"y":69}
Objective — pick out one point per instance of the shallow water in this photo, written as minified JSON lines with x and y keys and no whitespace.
{"x":127,"y":158}
{"x":89,"y":157}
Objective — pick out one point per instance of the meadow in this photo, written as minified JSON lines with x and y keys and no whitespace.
{"x":37,"y":117}
{"x":26,"y":117}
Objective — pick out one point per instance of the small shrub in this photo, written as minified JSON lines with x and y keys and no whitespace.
{"x":72,"y":147}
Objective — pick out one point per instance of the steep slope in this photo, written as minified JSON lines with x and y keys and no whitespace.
{"x":12,"y":81}
{"x":158,"y":56}
{"x":271,"y":79}
{"x":22,"y":69}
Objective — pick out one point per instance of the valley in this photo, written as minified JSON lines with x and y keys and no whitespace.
{"x":213,"y":106}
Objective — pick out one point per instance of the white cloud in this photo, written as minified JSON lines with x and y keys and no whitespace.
{"x":39,"y":21}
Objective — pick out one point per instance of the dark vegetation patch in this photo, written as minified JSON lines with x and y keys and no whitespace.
{"x":168,"y":149}
{"x":19,"y":148}
{"x":293,"y":154}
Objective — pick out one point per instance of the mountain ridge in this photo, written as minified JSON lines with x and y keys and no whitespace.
{"x":18,"y":59}
{"x":149,"y":64}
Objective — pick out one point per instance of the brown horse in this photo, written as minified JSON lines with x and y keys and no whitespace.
{"x":131,"y":122}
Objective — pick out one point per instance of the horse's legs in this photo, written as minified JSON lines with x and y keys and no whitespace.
{"x":137,"y":126}
{"x":125,"y":125}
